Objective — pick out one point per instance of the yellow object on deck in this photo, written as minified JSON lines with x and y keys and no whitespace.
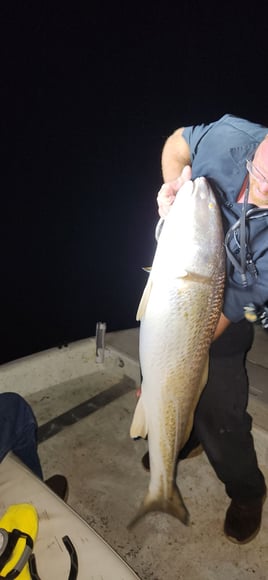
{"x":18,"y":531}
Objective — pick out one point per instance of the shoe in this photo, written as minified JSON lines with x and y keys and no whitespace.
{"x":243,"y":520}
{"x":58,"y":484}
{"x":193,"y":453}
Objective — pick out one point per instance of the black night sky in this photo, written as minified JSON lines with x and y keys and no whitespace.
{"x":89,"y":93}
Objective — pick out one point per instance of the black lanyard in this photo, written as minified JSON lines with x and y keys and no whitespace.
{"x":239,"y":231}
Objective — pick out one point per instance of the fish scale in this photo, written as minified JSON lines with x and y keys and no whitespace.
{"x":178,"y":313}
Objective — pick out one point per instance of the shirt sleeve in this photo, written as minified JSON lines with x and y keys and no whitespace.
{"x":193,"y":136}
{"x":195,"y":133}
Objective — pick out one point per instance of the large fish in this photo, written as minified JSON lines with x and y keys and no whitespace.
{"x":179,"y":311}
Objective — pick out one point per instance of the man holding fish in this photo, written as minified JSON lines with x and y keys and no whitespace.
{"x":232,"y":155}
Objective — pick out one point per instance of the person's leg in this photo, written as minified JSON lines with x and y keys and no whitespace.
{"x":223,"y":427}
{"x":19,"y":431}
{"x":222,"y":424}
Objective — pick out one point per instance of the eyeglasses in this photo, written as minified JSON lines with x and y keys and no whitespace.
{"x":256,"y":173}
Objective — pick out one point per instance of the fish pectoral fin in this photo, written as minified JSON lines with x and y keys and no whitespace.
{"x":173,"y":506}
{"x":144,"y":299}
{"x":182,"y":274}
{"x":194,"y":277}
{"x":147,"y":269}
{"x":139,"y":426}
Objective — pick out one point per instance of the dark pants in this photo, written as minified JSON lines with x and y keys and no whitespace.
{"x":222,"y":424}
{"x":18,"y":431}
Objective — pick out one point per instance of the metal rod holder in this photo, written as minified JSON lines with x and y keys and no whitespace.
{"x":100,"y":341}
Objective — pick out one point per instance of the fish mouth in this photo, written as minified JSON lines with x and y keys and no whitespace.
{"x":202,"y":189}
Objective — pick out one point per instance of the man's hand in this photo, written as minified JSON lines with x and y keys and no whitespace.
{"x":221,"y":326}
{"x":168,"y":191}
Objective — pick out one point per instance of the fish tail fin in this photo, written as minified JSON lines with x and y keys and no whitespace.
{"x":174,"y":506}
{"x":139,"y":426}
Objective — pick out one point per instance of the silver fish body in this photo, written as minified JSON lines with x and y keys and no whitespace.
{"x":179,"y":311}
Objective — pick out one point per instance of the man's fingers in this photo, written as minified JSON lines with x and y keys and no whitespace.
{"x":186,"y":173}
{"x":168,"y":191}
{"x":165,"y":199}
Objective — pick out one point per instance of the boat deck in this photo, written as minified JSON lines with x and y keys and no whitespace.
{"x":84,"y":410}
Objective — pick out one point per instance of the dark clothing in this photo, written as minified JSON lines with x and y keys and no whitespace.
{"x":219,"y":152}
{"x":222,"y":424}
{"x":19,"y":431}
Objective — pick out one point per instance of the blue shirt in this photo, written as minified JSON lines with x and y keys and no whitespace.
{"x":219,"y":152}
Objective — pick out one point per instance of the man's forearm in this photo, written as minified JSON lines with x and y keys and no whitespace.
{"x":175,"y":155}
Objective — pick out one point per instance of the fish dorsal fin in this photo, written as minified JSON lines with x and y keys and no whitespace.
{"x":139,"y":426}
{"x":144,"y":299}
